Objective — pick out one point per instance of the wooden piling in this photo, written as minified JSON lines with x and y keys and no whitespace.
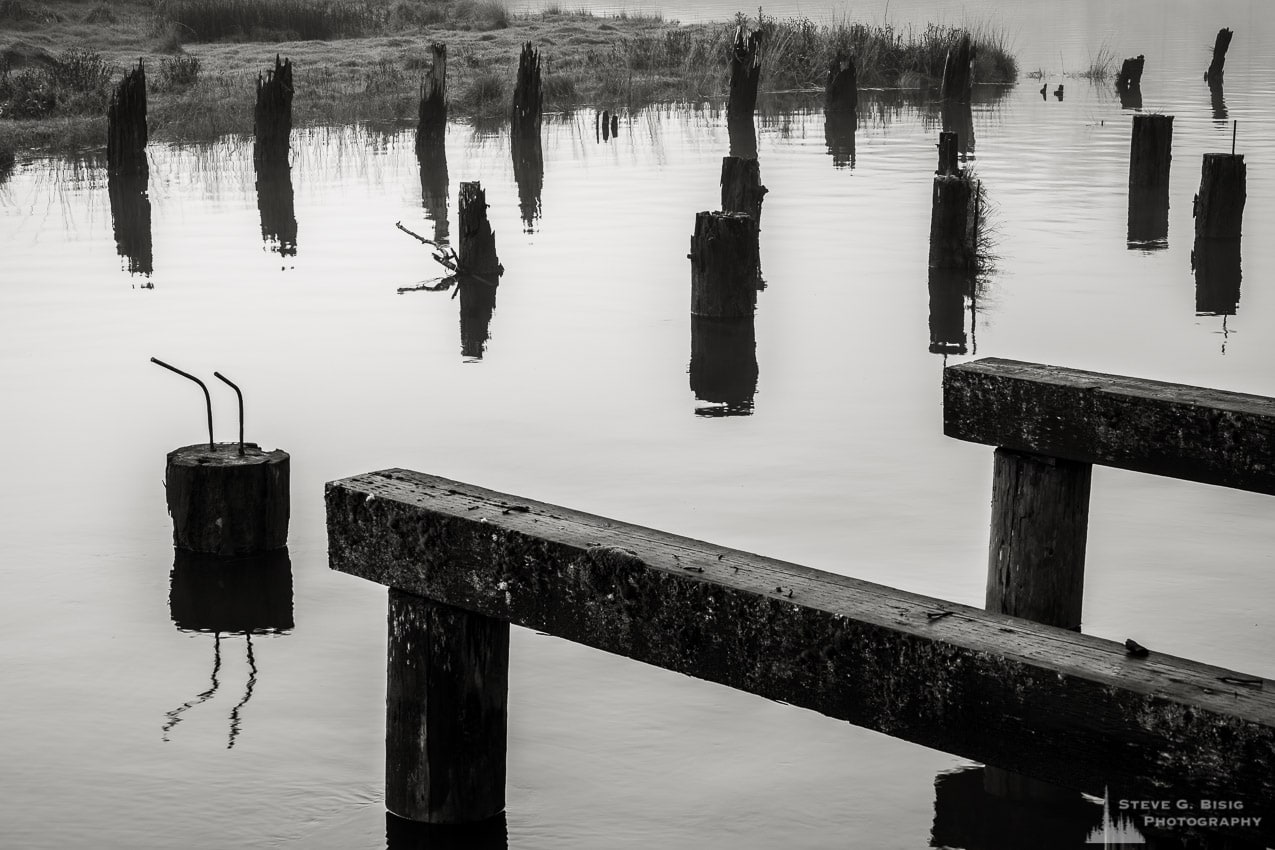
{"x":1040,"y":516}
{"x":525,"y":115}
{"x":1130,"y":76}
{"x":958,"y":83}
{"x":724,"y":265}
{"x":745,"y":75}
{"x":131,"y":219}
{"x":954,"y":222}
{"x":446,"y":712}
{"x":272,"y":116}
{"x":1219,"y":206}
{"x":723,"y":369}
{"x":126,"y":124}
{"x":741,"y":186}
{"x":477,"y":254}
{"x":431,"y":125}
{"x":1214,"y":75}
{"x":1150,"y":156}
{"x":227,"y":504}
{"x":841,"y":91}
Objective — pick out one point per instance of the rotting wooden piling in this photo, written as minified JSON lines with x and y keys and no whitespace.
{"x":954,"y":222}
{"x":1130,"y":76}
{"x":958,"y":83}
{"x":525,"y":115}
{"x":1217,"y":68}
{"x":477,"y":254}
{"x":745,"y":75}
{"x":446,"y":709}
{"x":1219,"y":206}
{"x":431,"y":125}
{"x":724,"y":265}
{"x":841,"y":91}
{"x":1150,"y":157}
{"x":126,"y":132}
{"x":742,"y":190}
{"x":272,"y":115}
{"x":225,"y":503}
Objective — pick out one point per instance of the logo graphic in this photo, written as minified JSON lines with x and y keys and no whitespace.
{"x":1114,"y":833}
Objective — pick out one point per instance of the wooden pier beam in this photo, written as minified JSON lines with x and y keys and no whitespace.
{"x":445,"y":712}
{"x":1219,"y":206}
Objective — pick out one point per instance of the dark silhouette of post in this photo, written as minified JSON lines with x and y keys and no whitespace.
{"x":1150,"y":156}
{"x":1217,"y":268}
{"x":948,"y":292}
{"x":1129,"y":82}
{"x":477,"y":304}
{"x":1217,"y":68}
{"x":741,"y":186}
{"x":477,"y":254}
{"x":745,"y":77}
{"x":126,"y":132}
{"x":954,"y":217}
{"x":723,"y":369}
{"x":958,"y":77}
{"x":272,"y":116}
{"x":525,"y":115}
{"x":724,"y":265}
{"x":131,"y":220}
{"x":1219,"y":206}
{"x":432,"y":160}
{"x":275,"y":202}
{"x":841,"y":110}
{"x":431,"y":125}
{"x":524,"y":135}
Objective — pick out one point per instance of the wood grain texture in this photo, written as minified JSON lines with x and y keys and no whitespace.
{"x":226,"y":504}
{"x":1062,"y":706}
{"x":1179,"y":431}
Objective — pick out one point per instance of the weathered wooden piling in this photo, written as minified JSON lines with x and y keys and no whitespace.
{"x":841,"y":91}
{"x":276,"y":204}
{"x":1218,"y":274}
{"x":724,"y":265}
{"x":477,"y":304}
{"x":741,"y":186}
{"x":126,"y":124}
{"x":1150,"y":157}
{"x":723,"y":369}
{"x":131,"y":219}
{"x":225,"y":503}
{"x":745,"y":75}
{"x":272,"y":115}
{"x":1130,"y":76}
{"x":1217,"y":68}
{"x":1219,"y":206}
{"x":958,"y":79}
{"x":446,"y":712}
{"x":431,"y":125}
{"x":477,"y":254}
{"x":525,"y":115}
{"x":252,"y":594}
{"x":954,"y":222}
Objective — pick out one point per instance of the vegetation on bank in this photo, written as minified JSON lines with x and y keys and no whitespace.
{"x":362,"y":60}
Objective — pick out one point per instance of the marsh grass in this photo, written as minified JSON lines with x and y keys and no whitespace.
{"x":1100,"y":66}
{"x":76,"y":83}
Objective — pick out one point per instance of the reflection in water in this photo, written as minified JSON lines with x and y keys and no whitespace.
{"x":838,"y":131}
{"x":1216,"y":263}
{"x":743,"y":137}
{"x":477,"y":303}
{"x":1219,"y":102}
{"x":723,"y":366}
{"x":239,"y":596}
{"x":131,"y":218}
{"x":275,"y":203}
{"x":967,"y":816}
{"x":950,"y":291}
{"x":529,"y":174}
{"x":402,"y":834}
{"x":958,"y":118}
{"x":432,"y":159}
{"x":1131,"y":98}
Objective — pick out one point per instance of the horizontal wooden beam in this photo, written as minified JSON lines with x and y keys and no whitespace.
{"x":1047,"y":702}
{"x":1179,"y":431}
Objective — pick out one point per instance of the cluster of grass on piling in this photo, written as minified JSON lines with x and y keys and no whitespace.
{"x":361,"y":60}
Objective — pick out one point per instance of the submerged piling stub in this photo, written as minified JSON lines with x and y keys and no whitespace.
{"x":225,"y":503}
{"x":525,"y":115}
{"x":958,"y":82}
{"x":1150,"y":156}
{"x":741,"y":186}
{"x":126,"y":124}
{"x":272,"y":115}
{"x":1217,"y":68}
{"x":477,"y":254}
{"x":1219,"y":207}
{"x":724,"y":265}
{"x":446,"y":712}
{"x":431,"y":125}
{"x":954,"y":222}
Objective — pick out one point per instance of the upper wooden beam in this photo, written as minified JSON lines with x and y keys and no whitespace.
{"x":1179,"y":431}
{"x":1062,"y":706}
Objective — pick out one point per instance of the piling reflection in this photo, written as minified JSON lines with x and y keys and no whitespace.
{"x":529,"y":175}
{"x":958,"y":118}
{"x":241,"y":596}
{"x":477,"y":303}
{"x":1216,"y":263}
{"x":402,"y":834}
{"x":743,"y":137}
{"x":838,"y":130}
{"x":972,"y":813}
{"x":953,"y":296}
{"x":432,"y":159}
{"x":1218,"y":100}
{"x":1148,"y":219}
{"x":131,"y":220}
{"x":723,"y":366}
{"x":1131,"y":97}
{"x":275,"y":202}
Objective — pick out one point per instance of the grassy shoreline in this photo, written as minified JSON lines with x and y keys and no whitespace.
{"x":367,"y":61}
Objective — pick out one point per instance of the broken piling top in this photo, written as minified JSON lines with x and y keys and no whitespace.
{"x":126,"y":124}
{"x":477,"y":256}
{"x":431,"y":126}
{"x":745,"y":75}
{"x":272,"y":116}
{"x":841,"y":92}
{"x":528,"y":96}
{"x":1130,"y":76}
{"x":725,"y":265}
{"x":1218,"y":66}
{"x":225,"y":503}
{"x":958,"y":77}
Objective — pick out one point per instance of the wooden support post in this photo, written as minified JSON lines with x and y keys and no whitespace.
{"x":724,"y":265}
{"x":958,"y":82}
{"x":131,"y":219}
{"x":1214,"y":75}
{"x":948,"y":163}
{"x":525,"y":115}
{"x":1219,"y":207}
{"x":446,"y":712}
{"x":745,"y":75}
{"x":272,"y":116}
{"x":126,"y":124}
{"x":841,"y":91}
{"x":954,"y":223}
{"x":723,"y":367}
{"x":477,"y":254}
{"x":431,"y":126}
{"x":1040,"y":518}
{"x":1150,"y":155}
{"x":225,"y":503}
{"x":1130,"y":76}
{"x":741,"y":186}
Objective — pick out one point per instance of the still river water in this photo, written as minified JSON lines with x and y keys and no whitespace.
{"x":111,"y":735}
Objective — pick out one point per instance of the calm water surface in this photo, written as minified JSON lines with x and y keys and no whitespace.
{"x":125,"y":730}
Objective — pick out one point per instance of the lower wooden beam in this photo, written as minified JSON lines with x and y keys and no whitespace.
{"x":1071,"y":708}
